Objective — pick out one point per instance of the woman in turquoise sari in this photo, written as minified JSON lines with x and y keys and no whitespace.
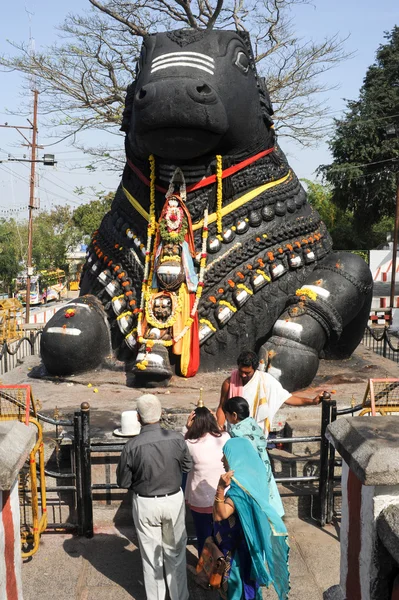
{"x":247,"y":529}
{"x":236,"y":410}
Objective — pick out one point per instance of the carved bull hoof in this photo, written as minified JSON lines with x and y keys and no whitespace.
{"x":76,"y":339}
{"x":293,"y":364}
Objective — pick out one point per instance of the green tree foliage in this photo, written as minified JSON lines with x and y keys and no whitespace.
{"x":10,"y":253}
{"x":381,"y":229}
{"x":319,"y":196}
{"x":340,"y":223}
{"x":87,"y":217}
{"x":54,"y":234}
{"x":362,"y":175}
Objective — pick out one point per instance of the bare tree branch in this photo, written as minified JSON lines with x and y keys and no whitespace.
{"x":216,"y":13}
{"x":83,"y":78}
{"x":115,"y":15}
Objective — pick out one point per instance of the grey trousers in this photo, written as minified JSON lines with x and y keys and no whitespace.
{"x":161,"y":531}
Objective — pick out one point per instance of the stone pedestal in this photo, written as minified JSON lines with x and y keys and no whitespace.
{"x":369,"y":447}
{"x":16,"y":442}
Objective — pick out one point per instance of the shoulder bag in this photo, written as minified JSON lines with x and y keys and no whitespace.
{"x":211,"y":565}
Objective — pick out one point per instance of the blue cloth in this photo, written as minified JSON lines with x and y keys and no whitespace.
{"x":189,"y":270}
{"x":249,"y":429}
{"x":265,"y":533}
{"x":238,"y":580}
{"x":203,"y":523}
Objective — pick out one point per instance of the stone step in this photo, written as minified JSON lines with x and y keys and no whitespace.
{"x":301,"y":428}
{"x":286,"y":464}
{"x":302,"y":501}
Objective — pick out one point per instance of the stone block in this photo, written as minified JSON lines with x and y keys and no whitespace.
{"x":388,"y":530}
{"x":370,"y":446}
{"x":16,"y":442}
{"x":302,"y":428}
{"x":286,"y":464}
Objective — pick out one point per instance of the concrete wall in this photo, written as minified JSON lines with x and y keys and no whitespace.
{"x":381,"y":265}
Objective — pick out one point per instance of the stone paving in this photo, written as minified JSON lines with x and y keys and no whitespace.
{"x":108,"y":395}
{"x":109,"y":566}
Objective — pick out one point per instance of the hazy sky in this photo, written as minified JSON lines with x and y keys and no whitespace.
{"x":365,"y":23}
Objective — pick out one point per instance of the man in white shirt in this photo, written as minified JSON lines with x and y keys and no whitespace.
{"x":264,"y":394}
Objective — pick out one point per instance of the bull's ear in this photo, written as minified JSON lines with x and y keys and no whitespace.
{"x":127,"y":112}
{"x":246,"y":40}
{"x":265,"y":97}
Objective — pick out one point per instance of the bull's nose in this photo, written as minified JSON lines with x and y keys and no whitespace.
{"x":198,"y":90}
{"x":201,"y":92}
{"x":145,"y":95}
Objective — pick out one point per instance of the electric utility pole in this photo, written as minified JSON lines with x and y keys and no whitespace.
{"x":48,"y":160}
{"x":33,"y":146}
{"x":31,"y":204}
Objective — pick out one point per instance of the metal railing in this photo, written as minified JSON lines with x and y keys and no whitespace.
{"x":77,"y":480}
{"x":13,"y":352}
{"x":324,"y":488}
{"x":328,"y":460}
{"x":381,"y":341}
{"x":79,"y":477}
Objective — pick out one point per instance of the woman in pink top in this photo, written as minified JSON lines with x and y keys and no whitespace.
{"x":205,"y":442}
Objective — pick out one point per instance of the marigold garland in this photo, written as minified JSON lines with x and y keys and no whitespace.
{"x":230,"y":306}
{"x":208,"y":323}
{"x":152,"y":320}
{"x":149,"y":269}
{"x":244,"y":287}
{"x":306,"y":292}
{"x":266,"y":277}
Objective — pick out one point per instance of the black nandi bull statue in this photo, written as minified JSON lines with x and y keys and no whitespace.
{"x":210,"y":246}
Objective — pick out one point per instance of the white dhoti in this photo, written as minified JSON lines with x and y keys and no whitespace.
{"x":161,"y":531}
{"x":264,"y":394}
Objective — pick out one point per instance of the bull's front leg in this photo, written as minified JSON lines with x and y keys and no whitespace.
{"x":325,"y":318}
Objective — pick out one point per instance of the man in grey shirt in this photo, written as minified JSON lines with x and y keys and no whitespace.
{"x":151,"y":465}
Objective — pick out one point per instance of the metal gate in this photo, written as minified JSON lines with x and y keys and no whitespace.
{"x":56,"y":487}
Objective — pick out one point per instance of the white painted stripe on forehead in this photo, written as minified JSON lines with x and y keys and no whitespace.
{"x":183,"y":64}
{"x":66,"y":331}
{"x":192,"y":59}
{"x":182,"y":53}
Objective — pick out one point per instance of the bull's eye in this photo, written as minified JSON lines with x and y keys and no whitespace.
{"x":242,"y":62}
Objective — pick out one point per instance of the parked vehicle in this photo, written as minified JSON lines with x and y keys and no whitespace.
{"x":46,"y":286}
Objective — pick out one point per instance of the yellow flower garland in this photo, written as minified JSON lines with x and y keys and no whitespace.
{"x":244,"y":287}
{"x":305,"y":292}
{"x":172,"y":319}
{"x":146,"y":286}
{"x":152,"y":227}
{"x":230,"y":306}
{"x":206,"y":322}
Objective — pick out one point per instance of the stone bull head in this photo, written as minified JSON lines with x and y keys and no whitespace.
{"x":185,"y":104}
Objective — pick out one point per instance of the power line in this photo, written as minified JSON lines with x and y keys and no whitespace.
{"x":377,"y":162}
{"x":26,"y":180}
